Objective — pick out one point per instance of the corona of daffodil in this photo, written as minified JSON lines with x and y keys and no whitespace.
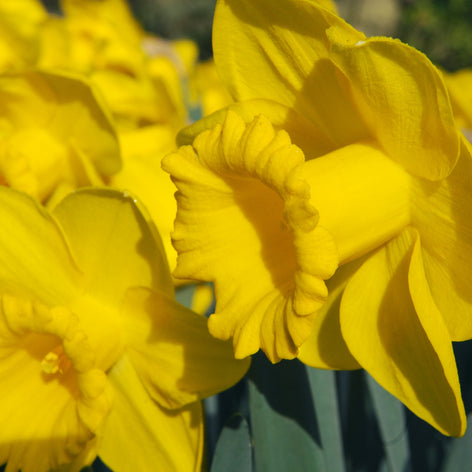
{"x":96,"y":357}
{"x":331,"y":204}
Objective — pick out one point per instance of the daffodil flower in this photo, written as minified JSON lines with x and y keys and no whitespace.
{"x":331,"y":204}
{"x":20,"y":23}
{"x":141,"y":77}
{"x":54,"y":132}
{"x":96,"y":357}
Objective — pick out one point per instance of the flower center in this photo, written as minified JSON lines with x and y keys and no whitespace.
{"x":56,"y":361}
{"x":45,"y":350}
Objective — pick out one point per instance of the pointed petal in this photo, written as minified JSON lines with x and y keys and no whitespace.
{"x":284,"y":49}
{"x":113,"y":243}
{"x":326,"y":348}
{"x":442,"y":214}
{"x":172,"y":351}
{"x":139,"y":434}
{"x":403,"y":100}
{"x":392,"y":327}
{"x":36,"y":260}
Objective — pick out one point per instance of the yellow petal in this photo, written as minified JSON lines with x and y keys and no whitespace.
{"x":141,"y":435}
{"x":285,"y":52}
{"x":113,"y":243}
{"x":393,"y":328}
{"x":442,"y":214}
{"x":135,"y":101}
{"x":326,"y":348}
{"x":403,"y":100}
{"x":36,"y":260}
{"x":235,"y":193}
{"x":142,"y":175}
{"x":175,"y":356}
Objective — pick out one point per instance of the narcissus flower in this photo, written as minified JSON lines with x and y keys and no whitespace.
{"x":54,"y":132}
{"x":142,"y":77}
{"x":20,"y":22}
{"x":96,"y":357}
{"x":331,"y":204}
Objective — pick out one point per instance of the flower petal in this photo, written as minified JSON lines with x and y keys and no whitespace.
{"x":403,"y":100}
{"x":285,"y":50}
{"x":113,"y":243}
{"x":36,"y":260}
{"x":142,"y":175}
{"x":443,"y":215}
{"x":326,"y":348}
{"x":175,"y":356}
{"x":139,"y":434}
{"x":393,"y":328}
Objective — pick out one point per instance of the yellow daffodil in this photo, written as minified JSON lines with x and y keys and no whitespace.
{"x":331,"y":204}
{"x":96,"y":357}
{"x":20,"y":22}
{"x":54,"y":132}
{"x":142,"y":77}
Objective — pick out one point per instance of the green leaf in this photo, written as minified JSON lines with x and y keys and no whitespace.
{"x":325,"y":400}
{"x":393,"y":429}
{"x":284,"y":428}
{"x":184,"y":295}
{"x":460,"y":452}
{"x":233,"y":449}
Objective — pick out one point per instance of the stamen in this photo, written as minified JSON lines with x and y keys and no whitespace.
{"x":56,"y":361}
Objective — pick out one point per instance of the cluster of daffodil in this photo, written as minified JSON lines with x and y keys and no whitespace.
{"x":337,"y":189}
{"x":326,"y":193}
{"x":97,"y":358}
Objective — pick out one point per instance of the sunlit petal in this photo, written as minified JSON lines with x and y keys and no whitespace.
{"x":392,"y":327}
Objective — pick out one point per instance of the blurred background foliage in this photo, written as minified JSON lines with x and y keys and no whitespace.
{"x":440,"y":28}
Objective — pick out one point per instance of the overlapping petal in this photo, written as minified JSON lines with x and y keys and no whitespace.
{"x":443,"y":216}
{"x":178,"y":361}
{"x":403,"y":100}
{"x":263,"y":52}
{"x":393,"y":328}
{"x":139,"y":434}
{"x":34,"y":251}
{"x":113,"y":244}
